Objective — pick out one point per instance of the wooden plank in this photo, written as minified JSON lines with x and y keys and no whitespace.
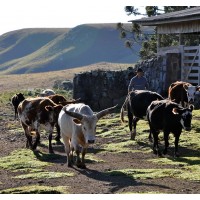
{"x":189,"y":54}
{"x":193,"y":68}
{"x":190,"y":48}
{"x":192,"y":81}
{"x":191,"y":61}
{"x":193,"y":75}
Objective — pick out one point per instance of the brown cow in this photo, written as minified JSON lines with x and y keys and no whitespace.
{"x":182,"y":92}
{"x":60,"y":99}
{"x":36,"y":111}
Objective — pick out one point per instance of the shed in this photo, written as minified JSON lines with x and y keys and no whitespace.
{"x":180,"y":22}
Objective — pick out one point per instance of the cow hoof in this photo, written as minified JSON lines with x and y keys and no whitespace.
{"x":58,"y":142}
{"x":51,"y":151}
{"x":151,"y":140}
{"x":133,"y":136}
{"x":69,"y":164}
{"x":155,"y":152}
{"x":81,"y":165}
{"x":164,"y":152}
{"x":176,"y":155}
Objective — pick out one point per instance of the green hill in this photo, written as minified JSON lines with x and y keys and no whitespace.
{"x":42,"y":50}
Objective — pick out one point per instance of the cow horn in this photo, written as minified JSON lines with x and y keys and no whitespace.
{"x":105,"y":112}
{"x":74,"y":114}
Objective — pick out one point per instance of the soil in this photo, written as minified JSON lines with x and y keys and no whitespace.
{"x":92,"y":180}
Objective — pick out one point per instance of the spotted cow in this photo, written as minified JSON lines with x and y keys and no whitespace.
{"x":34,"y":112}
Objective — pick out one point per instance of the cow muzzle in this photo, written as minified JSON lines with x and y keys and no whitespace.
{"x":191,"y":101}
{"x":188,"y":128}
{"x":91,"y":141}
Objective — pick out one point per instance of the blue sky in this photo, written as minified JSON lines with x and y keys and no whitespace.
{"x":18,"y":14}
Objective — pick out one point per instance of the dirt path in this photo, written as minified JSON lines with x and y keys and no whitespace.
{"x":99,"y":177}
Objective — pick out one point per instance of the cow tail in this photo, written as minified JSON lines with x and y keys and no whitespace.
{"x":122,"y":114}
{"x":122,"y":111}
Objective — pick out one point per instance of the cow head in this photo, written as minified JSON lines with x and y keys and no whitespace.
{"x":53,"y":112}
{"x":88,"y":123}
{"x":185,"y":116}
{"x":191,"y":91}
{"x":20,"y":96}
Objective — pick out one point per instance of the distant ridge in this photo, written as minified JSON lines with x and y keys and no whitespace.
{"x":43,"y":49}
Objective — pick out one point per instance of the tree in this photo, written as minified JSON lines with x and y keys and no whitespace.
{"x":135,"y":34}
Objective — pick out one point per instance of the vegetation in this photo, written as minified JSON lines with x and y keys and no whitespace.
{"x":41,"y":50}
{"x":148,"y":40}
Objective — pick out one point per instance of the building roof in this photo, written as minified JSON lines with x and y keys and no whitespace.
{"x":191,"y":14}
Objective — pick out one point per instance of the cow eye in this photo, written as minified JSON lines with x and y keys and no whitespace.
{"x":84,"y":128}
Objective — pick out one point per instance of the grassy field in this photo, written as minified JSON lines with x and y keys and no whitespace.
{"x":113,"y":145}
{"x":115,"y":164}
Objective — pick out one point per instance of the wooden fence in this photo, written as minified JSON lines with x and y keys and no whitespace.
{"x":190,"y":64}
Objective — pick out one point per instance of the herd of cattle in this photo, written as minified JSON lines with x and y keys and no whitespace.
{"x":76,"y":123}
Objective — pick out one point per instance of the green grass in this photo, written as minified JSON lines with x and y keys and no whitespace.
{"x":22,"y":159}
{"x":187,"y":173}
{"x":43,"y":175}
{"x":36,"y":189}
{"x":144,"y":173}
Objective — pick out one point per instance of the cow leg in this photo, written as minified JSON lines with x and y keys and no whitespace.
{"x":155,"y":143}
{"x":57,"y":138}
{"x":49,"y":128}
{"x":166,"y":138}
{"x":28,"y":136}
{"x":130,"y":120}
{"x":176,"y":153}
{"x":50,"y":144}
{"x":130,"y":123}
{"x":84,"y":150}
{"x":37,"y":132}
{"x":135,"y":120}
{"x":78,"y":159}
{"x":67,"y":150}
{"x":37,"y":139}
{"x":71,"y":154}
{"x":150,"y":136}
{"x":15,"y":112}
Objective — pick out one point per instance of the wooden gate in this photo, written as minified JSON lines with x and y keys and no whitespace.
{"x":191,"y":64}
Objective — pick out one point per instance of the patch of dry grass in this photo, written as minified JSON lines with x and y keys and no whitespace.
{"x":47,"y":79}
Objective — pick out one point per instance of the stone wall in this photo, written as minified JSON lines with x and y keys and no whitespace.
{"x":101,"y":89}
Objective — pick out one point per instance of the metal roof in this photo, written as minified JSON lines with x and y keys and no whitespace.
{"x":190,"y":14}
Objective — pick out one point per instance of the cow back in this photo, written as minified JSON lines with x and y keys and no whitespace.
{"x":139,"y":100}
{"x":57,"y":98}
{"x":160,"y":115}
{"x":177,"y":93}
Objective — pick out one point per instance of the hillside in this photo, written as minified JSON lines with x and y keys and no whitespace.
{"x":43,"y":50}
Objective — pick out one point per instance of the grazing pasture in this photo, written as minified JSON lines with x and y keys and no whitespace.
{"x":115,"y":164}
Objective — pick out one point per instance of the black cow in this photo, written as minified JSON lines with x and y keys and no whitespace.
{"x":15,"y":100}
{"x":137,"y":103}
{"x":170,"y":117}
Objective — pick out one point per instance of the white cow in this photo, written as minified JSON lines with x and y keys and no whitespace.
{"x":78,"y":128}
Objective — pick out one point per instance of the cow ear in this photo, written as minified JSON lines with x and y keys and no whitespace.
{"x":48,"y":108}
{"x":175,"y":111}
{"x":185,"y":86}
{"x":198,"y":88}
{"x":191,"y":107}
{"x":76,"y":121}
